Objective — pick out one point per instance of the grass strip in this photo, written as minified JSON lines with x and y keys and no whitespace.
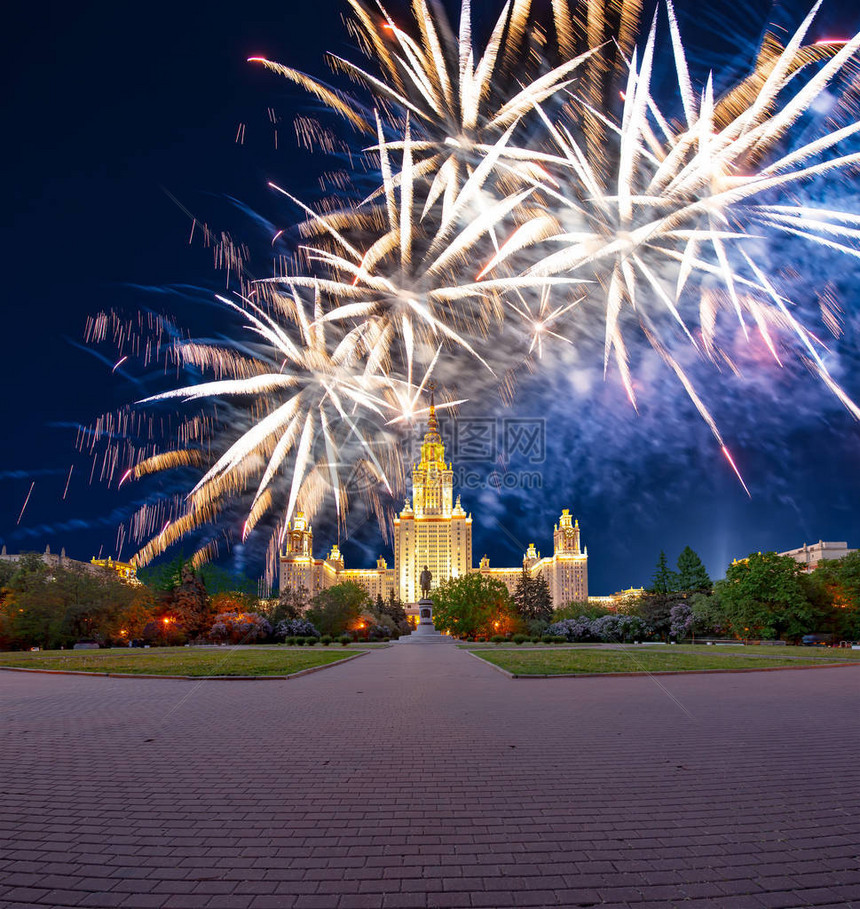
{"x":567,"y":662}
{"x":179,"y":661}
{"x":841,"y":654}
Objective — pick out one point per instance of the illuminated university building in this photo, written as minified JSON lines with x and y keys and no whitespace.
{"x":435,"y":531}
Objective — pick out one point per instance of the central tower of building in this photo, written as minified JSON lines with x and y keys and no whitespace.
{"x":433,"y":530}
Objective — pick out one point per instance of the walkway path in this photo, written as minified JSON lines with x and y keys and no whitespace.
{"x":417,"y":776}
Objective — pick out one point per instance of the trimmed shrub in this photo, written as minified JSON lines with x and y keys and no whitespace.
{"x":497,"y":639}
{"x":521,"y":638}
{"x":300,"y":642}
{"x":325,"y":640}
{"x":559,"y":639}
{"x":546,"y":639}
{"x":311,"y":641}
{"x":344,"y":640}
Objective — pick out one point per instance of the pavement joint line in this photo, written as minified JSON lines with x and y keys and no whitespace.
{"x":189,"y":678}
{"x":617,"y":675}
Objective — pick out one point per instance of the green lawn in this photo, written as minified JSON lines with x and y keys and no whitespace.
{"x":563,"y":662}
{"x":190,"y":661}
{"x":526,"y":645}
{"x":766,"y":650}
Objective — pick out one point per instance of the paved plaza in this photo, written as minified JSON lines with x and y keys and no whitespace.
{"x":420,"y":777}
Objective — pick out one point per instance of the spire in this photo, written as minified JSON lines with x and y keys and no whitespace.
{"x":432,"y":434}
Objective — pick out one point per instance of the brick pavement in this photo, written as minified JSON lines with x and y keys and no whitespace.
{"x":418,"y":777}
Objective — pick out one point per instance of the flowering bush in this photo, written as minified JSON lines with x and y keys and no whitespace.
{"x":615,"y":628}
{"x":681,"y":618}
{"x":609,"y":628}
{"x":296,"y":628}
{"x":571,"y":629}
{"x":239,"y":628}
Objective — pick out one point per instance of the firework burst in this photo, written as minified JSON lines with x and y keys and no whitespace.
{"x":536,"y":192}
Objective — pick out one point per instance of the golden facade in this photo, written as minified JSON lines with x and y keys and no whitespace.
{"x":434,"y":530}
{"x":566,"y":571}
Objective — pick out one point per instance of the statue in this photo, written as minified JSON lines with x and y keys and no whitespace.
{"x":425,"y":580}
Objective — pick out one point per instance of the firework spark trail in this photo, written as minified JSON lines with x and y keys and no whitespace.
{"x":68,"y":480}
{"x":24,"y":506}
{"x":594,"y":208}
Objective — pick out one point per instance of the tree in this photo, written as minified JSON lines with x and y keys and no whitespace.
{"x":339,"y":609}
{"x":239,"y":628}
{"x":840,"y":578}
{"x":291,"y":605}
{"x":129,"y":623}
{"x":680,"y":621}
{"x":655,"y":612}
{"x":576,"y":609}
{"x":692,"y":576}
{"x":165,"y":576}
{"x":474,"y":604}
{"x":708,"y":615}
{"x":187,"y":608}
{"x":58,"y":605}
{"x":654,"y":608}
{"x":392,"y":609}
{"x":31,"y":618}
{"x":532,"y":598}
{"x":229,"y":601}
{"x":665,"y":580}
{"x":762,"y":597}
{"x":217,"y":579}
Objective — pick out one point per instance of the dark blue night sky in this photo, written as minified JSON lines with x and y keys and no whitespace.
{"x":121,"y":120}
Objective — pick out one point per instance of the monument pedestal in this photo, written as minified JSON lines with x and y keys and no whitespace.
{"x":425,"y":631}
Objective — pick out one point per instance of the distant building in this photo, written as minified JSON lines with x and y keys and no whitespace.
{"x":51,"y":559}
{"x":125,"y":570}
{"x":299,"y":568}
{"x":810,"y":554}
{"x":619,"y":598}
{"x":434,"y":530}
{"x":566,"y":570}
